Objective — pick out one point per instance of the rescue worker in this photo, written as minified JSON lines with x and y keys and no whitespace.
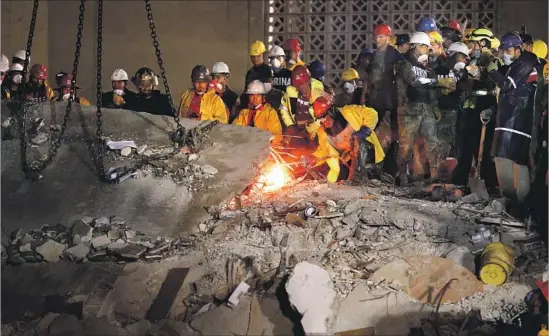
{"x":296,"y":108}
{"x":36,"y":89}
{"x":455,"y":25}
{"x":273,"y":96}
{"x":120,"y":97}
{"x":282,"y":76}
{"x":12,"y":83}
{"x":345,"y":135}
{"x":426,"y":25}
{"x":149,"y":98}
{"x":514,"y":127}
{"x":259,"y":113}
{"x":258,"y":69}
{"x":64,"y":91}
{"x":351,"y":91}
{"x":221,"y":74}
{"x":527,"y":40}
{"x":318,"y":72}
{"x":292,"y":49}
{"x":19,"y":57}
{"x":450,"y":35}
{"x":437,"y":57}
{"x":511,"y":47}
{"x":539,"y":48}
{"x":481,"y":96}
{"x":4,"y":67}
{"x":417,"y":110}
{"x":403,"y":43}
{"x":200,"y":103}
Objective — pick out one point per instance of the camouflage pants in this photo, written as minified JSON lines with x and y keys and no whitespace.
{"x":446,"y":133}
{"x":420,"y":122}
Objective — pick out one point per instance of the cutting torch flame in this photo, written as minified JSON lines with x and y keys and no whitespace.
{"x":275,"y":177}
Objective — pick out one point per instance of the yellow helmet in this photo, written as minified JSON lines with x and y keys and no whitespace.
{"x":349,"y":74}
{"x":393,"y":40}
{"x":540,"y":49}
{"x":257,"y":48}
{"x":495,"y":44}
{"x":480,"y":34}
{"x":435,"y":37}
{"x":467,"y":33}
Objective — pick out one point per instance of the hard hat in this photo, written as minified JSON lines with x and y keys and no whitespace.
{"x":383,"y":29}
{"x":257,"y":48}
{"x":66,"y":81}
{"x":145,"y":74}
{"x":510,"y":40}
{"x":349,"y":74}
{"x":58,"y":76}
{"x":16,"y":67}
{"x":276,"y":51}
{"x":480,"y":34}
{"x":451,"y":34}
{"x":540,"y":49}
{"x":393,"y":40}
{"x":200,"y":74}
{"x":467,"y":33}
{"x":4,"y":64}
{"x":420,"y":38}
{"x":435,"y":37}
{"x":220,"y":68}
{"x":454,"y":24}
{"x":256,"y":87}
{"x":292,"y":45}
{"x":322,"y":105}
{"x":119,"y":75}
{"x":39,"y":71}
{"x":300,"y":75}
{"x":21,"y":54}
{"x":426,"y":24}
{"x":458,"y":47}
{"x":495,"y":44}
{"x":317,"y":69}
{"x":402,"y":39}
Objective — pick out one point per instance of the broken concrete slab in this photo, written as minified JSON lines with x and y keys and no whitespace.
{"x":311,"y":291}
{"x":77,"y":252}
{"x":225,"y":321}
{"x":139,"y":328}
{"x":64,"y":325}
{"x":81,"y":232}
{"x":266,"y":318}
{"x":154,"y":205}
{"x":51,"y":250}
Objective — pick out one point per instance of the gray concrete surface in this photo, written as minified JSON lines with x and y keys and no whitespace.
{"x":70,"y":186}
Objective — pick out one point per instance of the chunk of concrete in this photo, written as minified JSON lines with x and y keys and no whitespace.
{"x":64,"y":325}
{"x":77,"y":252}
{"x":51,"y":250}
{"x":210,"y":170}
{"x":139,"y":328}
{"x":311,"y":292}
{"x":81,"y":232}
{"x":354,"y":205}
{"x":100,"y":241}
{"x":45,"y":322}
{"x":224,"y":321}
{"x":461,"y":255}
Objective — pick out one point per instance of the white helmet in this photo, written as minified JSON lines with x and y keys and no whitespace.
{"x":119,"y":75}
{"x":458,"y":47}
{"x":16,"y":67}
{"x":276,"y":51}
{"x":420,"y":38}
{"x":21,"y":54}
{"x":220,"y":68}
{"x":4,"y":64}
{"x":256,"y":87}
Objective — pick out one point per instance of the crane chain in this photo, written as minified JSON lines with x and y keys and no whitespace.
{"x":179,"y":136}
{"x":99,"y":150}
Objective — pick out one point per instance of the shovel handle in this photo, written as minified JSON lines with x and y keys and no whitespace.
{"x":480,"y":150}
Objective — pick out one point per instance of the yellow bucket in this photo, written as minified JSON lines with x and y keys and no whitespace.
{"x":497,"y":260}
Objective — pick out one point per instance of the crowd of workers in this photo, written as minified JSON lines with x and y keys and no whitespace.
{"x":437,"y":85}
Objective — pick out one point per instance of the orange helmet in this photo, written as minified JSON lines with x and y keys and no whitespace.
{"x":321,"y":106}
{"x":39,"y":71}
{"x":300,"y":75}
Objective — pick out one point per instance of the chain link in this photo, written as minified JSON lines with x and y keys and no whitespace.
{"x":99,"y":133}
{"x":180,"y":130}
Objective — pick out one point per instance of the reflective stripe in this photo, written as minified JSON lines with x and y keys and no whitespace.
{"x":480,"y":93}
{"x":513,"y":131}
{"x":512,"y":81}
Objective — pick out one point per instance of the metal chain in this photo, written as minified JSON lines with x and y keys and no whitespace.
{"x":180,"y":130}
{"x":99,"y":133}
{"x":56,"y":143}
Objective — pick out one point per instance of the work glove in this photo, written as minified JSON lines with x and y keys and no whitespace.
{"x":437,"y":113}
{"x":473,"y":71}
{"x":492,"y":66}
{"x":364,"y":132}
{"x":118,"y":100}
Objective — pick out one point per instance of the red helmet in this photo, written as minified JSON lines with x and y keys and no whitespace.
{"x":292,"y":45}
{"x":454,"y":24}
{"x":300,"y":75}
{"x":321,"y":106}
{"x":39,"y":71}
{"x":383,"y":29}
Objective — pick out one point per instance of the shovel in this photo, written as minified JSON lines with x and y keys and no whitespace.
{"x":476,"y":184}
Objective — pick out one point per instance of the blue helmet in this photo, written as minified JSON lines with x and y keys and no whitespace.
{"x":317,"y":70}
{"x":510,"y":40}
{"x":426,"y":24}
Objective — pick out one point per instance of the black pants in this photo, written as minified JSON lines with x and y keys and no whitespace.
{"x":390,"y":163}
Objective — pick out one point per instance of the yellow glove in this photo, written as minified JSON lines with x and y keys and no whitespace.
{"x":118,"y":100}
{"x":438,"y":115}
{"x":493,"y":65}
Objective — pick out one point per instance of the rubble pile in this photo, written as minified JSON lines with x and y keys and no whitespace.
{"x":89,"y":239}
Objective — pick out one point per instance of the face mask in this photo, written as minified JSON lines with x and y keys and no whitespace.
{"x":507,"y":59}
{"x":459,"y":66}
{"x":476,"y":53}
{"x":349,"y":87}
{"x":17,"y":79}
{"x":66,"y":96}
{"x":423,"y":58}
{"x":291,"y":61}
{"x":119,"y":92}
{"x":268,"y":86}
{"x":275,"y":62}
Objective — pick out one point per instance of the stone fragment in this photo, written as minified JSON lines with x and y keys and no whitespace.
{"x":25,"y":247}
{"x":311,"y":291}
{"x":101,"y":222}
{"x":373,"y":218}
{"x":87,"y":220}
{"x":343,"y":232}
{"x":115,"y":220}
{"x":354,"y":205}
{"x":97,"y":255}
{"x":193,"y":157}
{"x":64,"y":325}
{"x":126,"y":151}
{"x":51,"y":250}
{"x":77,"y":252}
{"x":139,"y":328}
{"x":132,"y":251}
{"x":81,"y":232}
{"x":461,"y":255}
{"x":326,"y":238}
{"x":100,"y":241}
{"x":351,"y":219}
{"x":16,"y":236}
{"x":210,"y":170}
{"x":32,"y":256}
{"x":45,"y":322}
{"x":148,"y":153}
{"x":116,"y":246}
{"x":114,"y":234}
{"x":27,"y":238}
{"x":129,"y":235}
{"x":141,"y":149}
{"x":202,"y":227}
